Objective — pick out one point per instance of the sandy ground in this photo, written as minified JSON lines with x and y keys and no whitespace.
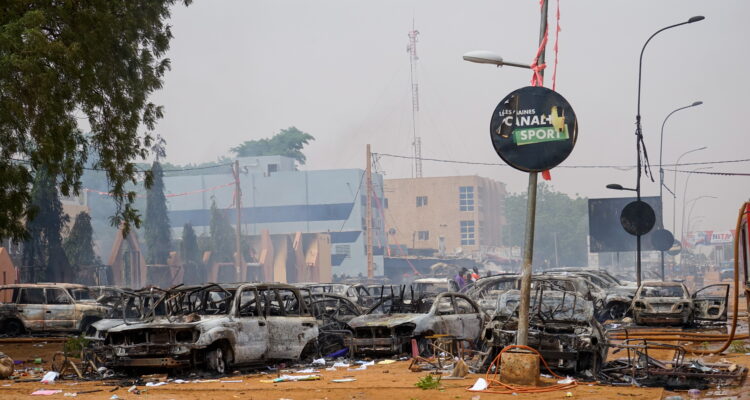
{"x":393,"y":381}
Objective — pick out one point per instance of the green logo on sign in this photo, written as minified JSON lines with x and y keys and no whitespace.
{"x":539,"y":134}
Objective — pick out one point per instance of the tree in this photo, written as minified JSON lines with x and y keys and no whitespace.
{"x":43,"y":250}
{"x":288,"y":142}
{"x":79,"y":245}
{"x":156,"y":227}
{"x":222,"y":235}
{"x":557,"y":215}
{"x":191,"y":256}
{"x":63,"y":61}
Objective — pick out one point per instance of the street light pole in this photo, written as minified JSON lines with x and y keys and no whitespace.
{"x":639,"y":132}
{"x":674,"y":186}
{"x":684,"y":194}
{"x":661,"y":175}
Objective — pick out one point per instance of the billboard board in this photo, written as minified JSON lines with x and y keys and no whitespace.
{"x":606,"y":233}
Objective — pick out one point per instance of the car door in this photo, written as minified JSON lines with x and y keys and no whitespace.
{"x":31,"y":308}
{"x":60,"y":311}
{"x":710,"y":303}
{"x":470,"y":317}
{"x":445,"y":320}
{"x":289,"y":328}
{"x":251,"y":329}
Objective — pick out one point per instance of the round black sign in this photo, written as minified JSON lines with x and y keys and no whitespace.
{"x":675,"y":249}
{"x":662,"y":239}
{"x":637,"y":218}
{"x":533,"y":129}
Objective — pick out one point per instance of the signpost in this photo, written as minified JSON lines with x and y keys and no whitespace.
{"x":533,"y":129}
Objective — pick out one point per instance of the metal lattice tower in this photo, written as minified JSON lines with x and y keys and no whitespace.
{"x":417,"y":141}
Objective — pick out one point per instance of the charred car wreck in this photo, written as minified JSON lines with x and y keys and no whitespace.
{"x":670,"y":303}
{"x":391,"y":324}
{"x":214,"y":326}
{"x":562,"y":327}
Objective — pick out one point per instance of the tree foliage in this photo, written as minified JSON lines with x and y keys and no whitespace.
{"x":191,"y":256}
{"x":557,"y":214}
{"x":288,"y":142}
{"x":65,"y":61}
{"x":158,"y":233}
{"x":79,"y":245}
{"x":43,"y":250}
{"x":222,"y":236}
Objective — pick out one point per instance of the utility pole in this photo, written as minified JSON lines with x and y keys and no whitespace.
{"x":417,"y":141}
{"x":522,"y":337}
{"x":238,"y":207}
{"x":368,"y":214}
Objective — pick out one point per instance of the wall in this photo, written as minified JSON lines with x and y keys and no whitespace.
{"x":442,"y":214}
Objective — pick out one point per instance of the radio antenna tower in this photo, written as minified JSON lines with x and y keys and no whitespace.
{"x":417,"y":143}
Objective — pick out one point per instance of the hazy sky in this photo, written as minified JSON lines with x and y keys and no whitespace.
{"x":339,"y":70}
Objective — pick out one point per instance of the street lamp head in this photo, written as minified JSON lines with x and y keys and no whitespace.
{"x":484,"y":57}
{"x":615,"y":186}
{"x":697,"y":103}
{"x":696,"y":19}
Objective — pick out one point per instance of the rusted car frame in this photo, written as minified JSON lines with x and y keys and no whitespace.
{"x":217,"y":326}
{"x":670,"y":303}
{"x":48,"y":307}
{"x":562,"y":327}
{"x":389,"y":326}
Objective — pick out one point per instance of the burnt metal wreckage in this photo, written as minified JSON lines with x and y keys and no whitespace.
{"x":562,"y":328}
{"x":640,"y":369}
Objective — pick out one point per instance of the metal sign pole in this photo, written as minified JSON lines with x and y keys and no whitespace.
{"x":522,"y":336}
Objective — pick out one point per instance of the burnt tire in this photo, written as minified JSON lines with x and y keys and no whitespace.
{"x":86,"y":323}
{"x":617,"y":311}
{"x":218,"y":359}
{"x":424,"y":347}
{"x":13,"y":327}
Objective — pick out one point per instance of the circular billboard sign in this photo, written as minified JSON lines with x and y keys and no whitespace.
{"x":675,"y":249}
{"x":533,"y":129}
{"x":662,"y":239}
{"x":638,"y":218}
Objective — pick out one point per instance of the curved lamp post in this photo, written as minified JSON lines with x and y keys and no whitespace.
{"x":661,"y":175}
{"x":674,"y":194}
{"x":639,"y":133}
{"x":684,"y":203}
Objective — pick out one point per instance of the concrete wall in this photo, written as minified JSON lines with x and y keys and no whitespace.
{"x":442,"y":215}
{"x":284,"y":202}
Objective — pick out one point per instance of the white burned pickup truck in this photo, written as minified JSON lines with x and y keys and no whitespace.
{"x":215,"y":326}
{"x":47,"y":307}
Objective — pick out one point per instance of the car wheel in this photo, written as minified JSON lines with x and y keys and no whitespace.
{"x":218,"y":360}
{"x":13,"y":327}
{"x":617,"y":311}
{"x":424,"y":347}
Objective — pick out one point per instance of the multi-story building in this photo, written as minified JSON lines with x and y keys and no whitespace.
{"x":279,"y":198}
{"x":447,"y":214}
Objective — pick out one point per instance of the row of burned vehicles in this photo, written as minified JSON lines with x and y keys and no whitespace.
{"x":218,"y":326}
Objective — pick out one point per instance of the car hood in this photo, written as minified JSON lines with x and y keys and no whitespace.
{"x":387,"y":320}
{"x":107,"y":324}
{"x":163,"y":323}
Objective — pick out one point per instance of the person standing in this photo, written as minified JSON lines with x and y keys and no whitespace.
{"x":459,"y":278}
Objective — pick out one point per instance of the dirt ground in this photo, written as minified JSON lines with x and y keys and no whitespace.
{"x":392,"y":381}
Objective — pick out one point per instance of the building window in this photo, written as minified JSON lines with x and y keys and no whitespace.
{"x":423,"y":235}
{"x":343,"y":249}
{"x":421,"y":201}
{"x":466,"y":198}
{"x":385,"y":202}
{"x":272,"y":168}
{"x":467,"y":233}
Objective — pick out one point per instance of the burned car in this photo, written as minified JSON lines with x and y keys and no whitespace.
{"x":333,"y":313}
{"x":47,"y":307}
{"x":562,"y":327}
{"x":389,"y":326}
{"x":216,"y":326}
{"x":434,"y":285}
{"x":670,"y":303}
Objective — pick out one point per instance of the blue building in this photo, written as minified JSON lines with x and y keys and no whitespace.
{"x":279,"y":198}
